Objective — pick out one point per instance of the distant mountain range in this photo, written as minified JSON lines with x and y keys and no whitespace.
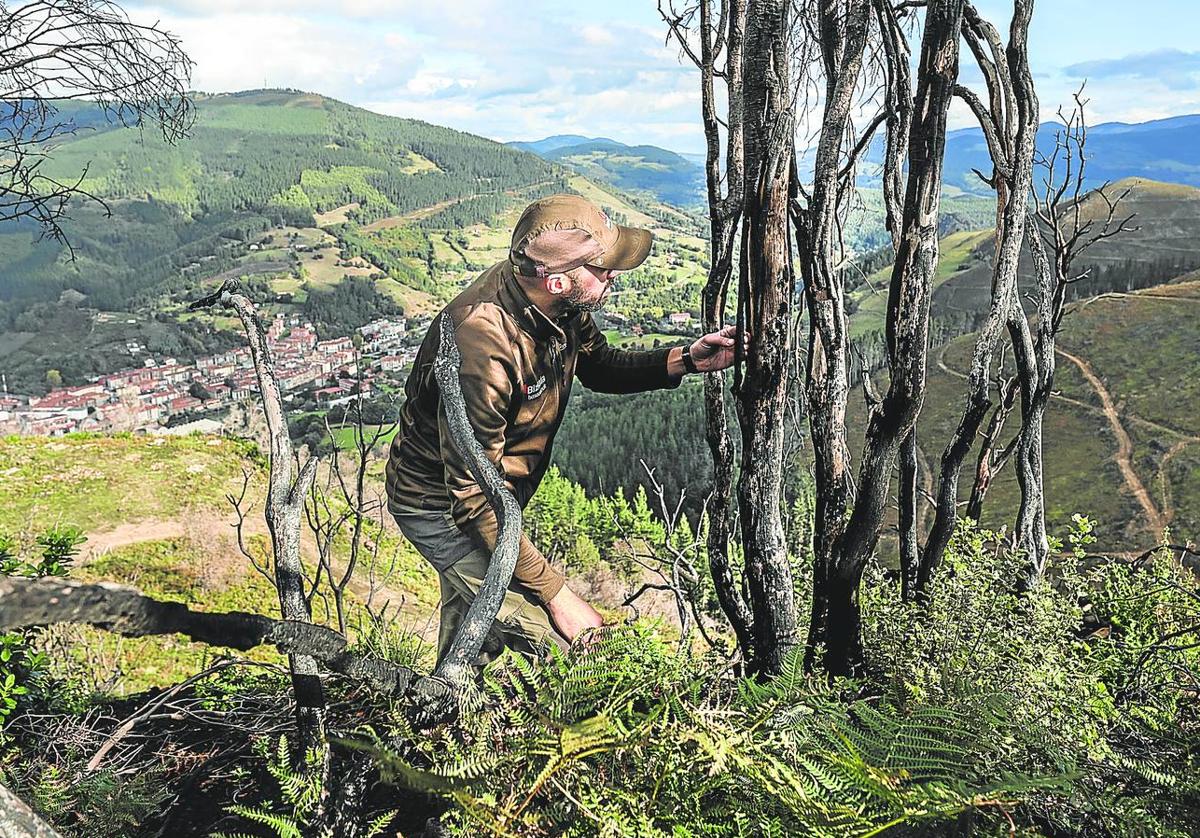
{"x":666,"y":175}
{"x":1166,"y":150}
{"x":544,"y":147}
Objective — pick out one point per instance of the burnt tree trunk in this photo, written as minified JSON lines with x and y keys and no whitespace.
{"x":1029,"y":534}
{"x":990,"y":460}
{"x":765,"y":311}
{"x":1009,"y":120}
{"x":1057,"y":224}
{"x":910,"y":547}
{"x":910,"y":291}
{"x":898,"y":113}
{"x":724,"y":34}
{"x":842,"y":35}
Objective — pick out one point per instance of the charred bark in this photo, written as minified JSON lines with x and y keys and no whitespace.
{"x":991,"y":460}
{"x":842,"y":36}
{"x":910,"y":547}
{"x":1009,"y":120}
{"x":765,"y":313}
{"x":894,"y":418}
{"x":898,"y":110}
{"x":1057,"y":226}
{"x":726,"y":33}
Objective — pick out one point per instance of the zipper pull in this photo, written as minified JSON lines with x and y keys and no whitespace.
{"x":558,"y":351}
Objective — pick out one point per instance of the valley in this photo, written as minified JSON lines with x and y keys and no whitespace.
{"x":370,"y":216}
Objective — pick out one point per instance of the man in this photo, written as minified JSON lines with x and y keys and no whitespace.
{"x":524,"y":330}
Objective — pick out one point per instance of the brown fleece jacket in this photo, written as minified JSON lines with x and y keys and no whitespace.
{"x":516,"y":372}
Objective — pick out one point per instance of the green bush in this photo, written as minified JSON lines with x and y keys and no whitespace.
{"x":23,"y":669}
{"x":628,"y":737}
{"x":1069,"y":709}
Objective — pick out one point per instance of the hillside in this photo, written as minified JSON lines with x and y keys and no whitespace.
{"x":1140,"y":294}
{"x":299,"y":192}
{"x":1168,"y":215}
{"x":1163,"y":248}
{"x":668,"y":176}
{"x":253,"y":159}
{"x":155,"y":515}
{"x":1120,"y":446}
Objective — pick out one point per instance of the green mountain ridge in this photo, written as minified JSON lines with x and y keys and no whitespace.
{"x":1129,"y":332}
{"x":300,"y":191}
{"x":667,"y":176}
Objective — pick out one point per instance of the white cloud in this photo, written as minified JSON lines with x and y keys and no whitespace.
{"x":597,"y":36}
{"x":518,"y":71}
{"x":241,"y":50}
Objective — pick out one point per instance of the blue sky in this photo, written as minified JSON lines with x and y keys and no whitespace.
{"x":525,"y":70}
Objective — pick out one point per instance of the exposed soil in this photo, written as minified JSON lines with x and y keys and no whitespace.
{"x":1155,"y":519}
{"x":1164,"y":485}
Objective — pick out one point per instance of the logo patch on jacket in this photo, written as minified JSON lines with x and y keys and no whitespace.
{"x":532,"y":391}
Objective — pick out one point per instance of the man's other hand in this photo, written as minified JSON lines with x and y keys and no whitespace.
{"x":571,"y":614}
{"x":715,"y":351}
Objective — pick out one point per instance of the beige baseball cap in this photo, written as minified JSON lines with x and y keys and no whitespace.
{"x":561,"y":232}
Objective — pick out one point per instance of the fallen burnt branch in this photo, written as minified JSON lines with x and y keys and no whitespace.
{"x":126,"y":611}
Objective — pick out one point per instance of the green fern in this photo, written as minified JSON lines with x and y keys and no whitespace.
{"x":626,"y":738}
{"x":301,"y":793}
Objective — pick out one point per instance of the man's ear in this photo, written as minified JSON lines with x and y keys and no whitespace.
{"x":557,"y":284}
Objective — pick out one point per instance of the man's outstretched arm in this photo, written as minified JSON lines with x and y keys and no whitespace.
{"x":606,"y":369}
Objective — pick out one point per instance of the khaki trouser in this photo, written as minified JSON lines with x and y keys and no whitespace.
{"x":521,"y":623}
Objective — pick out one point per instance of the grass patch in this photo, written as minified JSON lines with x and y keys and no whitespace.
{"x":96,"y":482}
{"x":416,"y":164}
{"x":172,"y":570}
{"x":956,"y":252}
{"x":344,"y":437}
{"x":645,"y":341}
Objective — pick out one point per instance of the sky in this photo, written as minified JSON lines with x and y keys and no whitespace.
{"x":529,"y":69}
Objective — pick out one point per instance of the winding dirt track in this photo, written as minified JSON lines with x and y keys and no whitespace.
{"x":1156,"y":516}
{"x":1155,"y":519}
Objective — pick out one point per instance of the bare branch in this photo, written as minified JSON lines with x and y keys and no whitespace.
{"x":455,"y":667}
{"x":991,"y":132}
{"x":78,"y":50}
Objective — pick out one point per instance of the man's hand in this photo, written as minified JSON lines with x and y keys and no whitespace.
{"x":715,"y":351}
{"x":571,"y":614}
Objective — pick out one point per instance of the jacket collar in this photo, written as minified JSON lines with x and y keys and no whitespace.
{"x":532,"y":319}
